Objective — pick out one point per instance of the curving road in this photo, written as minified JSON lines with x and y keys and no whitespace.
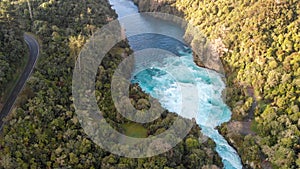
{"x":33,"y":56}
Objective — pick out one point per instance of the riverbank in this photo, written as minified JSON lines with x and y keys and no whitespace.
{"x":261,"y":53}
{"x":44,"y":132}
{"x":238,"y":126}
{"x":156,"y":83}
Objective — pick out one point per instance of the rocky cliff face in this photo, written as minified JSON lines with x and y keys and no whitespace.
{"x":45,"y":132}
{"x":158,"y":6}
{"x":206,"y":53}
{"x":258,"y":42}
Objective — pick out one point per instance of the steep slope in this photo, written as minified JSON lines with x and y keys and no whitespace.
{"x":258,"y":42}
{"x":44,"y":132}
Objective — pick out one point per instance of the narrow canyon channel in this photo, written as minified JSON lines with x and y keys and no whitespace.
{"x":168,"y":77}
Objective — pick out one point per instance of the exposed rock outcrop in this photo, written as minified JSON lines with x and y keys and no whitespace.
{"x":158,"y":6}
{"x":206,"y":53}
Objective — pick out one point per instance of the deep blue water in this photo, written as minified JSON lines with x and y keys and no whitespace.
{"x":173,"y":78}
{"x":149,"y":40}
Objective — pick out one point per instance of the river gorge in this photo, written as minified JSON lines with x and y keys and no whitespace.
{"x":165,"y":78}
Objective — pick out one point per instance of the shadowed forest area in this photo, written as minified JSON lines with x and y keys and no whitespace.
{"x":43,"y":130}
{"x":258,"y":42}
{"x":13,"y":51}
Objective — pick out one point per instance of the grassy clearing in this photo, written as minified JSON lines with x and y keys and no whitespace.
{"x":254,"y":126}
{"x":135,"y":130}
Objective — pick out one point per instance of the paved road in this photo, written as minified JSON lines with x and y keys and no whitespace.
{"x":34,"y":53}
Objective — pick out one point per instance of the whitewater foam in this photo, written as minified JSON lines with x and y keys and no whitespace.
{"x":175,"y":87}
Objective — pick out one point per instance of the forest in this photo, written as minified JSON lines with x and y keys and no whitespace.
{"x":260,"y":42}
{"x":13,"y":51}
{"x":43,"y":130}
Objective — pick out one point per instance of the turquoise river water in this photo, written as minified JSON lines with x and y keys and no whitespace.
{"x":166,"y":78}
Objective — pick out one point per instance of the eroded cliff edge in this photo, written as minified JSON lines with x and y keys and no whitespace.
{"x":257,"y":44}
{"x":44,"y":131}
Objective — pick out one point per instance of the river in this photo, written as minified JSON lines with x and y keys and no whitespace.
{"x":166,"y":77}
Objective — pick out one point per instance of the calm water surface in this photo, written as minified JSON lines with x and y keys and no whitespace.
{"x":169,"y":74}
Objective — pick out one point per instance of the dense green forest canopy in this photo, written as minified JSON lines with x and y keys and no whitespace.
{"x":261,"y":53}
{"x":12,"y":49}
{"x":44,"y":132}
